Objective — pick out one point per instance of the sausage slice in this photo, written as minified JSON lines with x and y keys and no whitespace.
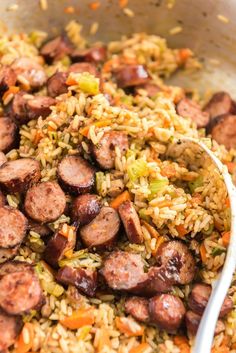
{"x":123,"y":270}
{"x":45,"y":202}
{"x":102,"y":231}
{"x":56,"y":49}
{"x":7,"y":254}
{"x":223,"y":130}
{"x":179,"y":260}
{"x":31,"y":71}
{"x":84,"y":280}
{"x":84,"y":67}
{"x":19,"y":175}
{"x":13,"y":266}
{"x":10,"y":327}
{"x":219,"y":104}
{"x":2,"y":199}
{"x":199,"y":297}
{"x":131,"y":222}
{"x":20,"y":291}
{"x":131,"y":75}
{"x":166,"y":311}
{"x":193,"y":320}
{"x":8,"y":134}
{"x":151,"y":89}
{"x":3,"y":158}
{"x":94,"y":54}
{"x":85,"y":208}
{"x":13,"y":226}
{"x":104,"y":152}
{"x":56,"y":84}
{"x":7,"y":78}
{"x":138,"y":308}
{"x":187,"y":108}
{"x":76,"y":175}
{"x":42,"y":229}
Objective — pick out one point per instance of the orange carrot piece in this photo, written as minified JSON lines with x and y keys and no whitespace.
{"x":125,"y":325}
{"x":182,"y":343}
{"x":11,"y":89}
{"x":160,"y":240}
{"x":85,"y":130}
{"x":123,"y":3}
{"x":124,"y":196}
{"x":225,"y":238}
{"x":94,"y":5}
{"x":79,"y":318}
{"x":25,"y":341}
{"x":164,"y":203}
{"x":203,"y":253}
{"x":184,"y":55}
{"x":153,"y":232}
{"x":231,"y":166}
{"x":71,"y":81}
{"x":69,"y":9}
{"x":141,"y":348}
{"x":181,"y":230}
{"x":227,"y":202}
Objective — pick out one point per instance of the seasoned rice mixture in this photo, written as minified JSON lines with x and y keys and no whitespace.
{"x":120,"y":225}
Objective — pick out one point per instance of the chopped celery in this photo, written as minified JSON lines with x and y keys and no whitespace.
{"x":88,"y":83}
{"x":209,"y":230}
{"x":143,"y":215}
{"x":137,"y":169}
{"x":195,"y":184}
{"x":52,"y":288}
{"x":157,"y":185}
{"x":127,"y":100}
{"x":217,"y":251}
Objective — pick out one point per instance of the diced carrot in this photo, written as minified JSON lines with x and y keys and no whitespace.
{"x":108,"y":65}
{"x":123,"y":3}
{"x":85,"y":130}
{"x":38,"y":136}
{"x":160,"y":240}
{"x":25,"y":341}
{"x":227,"y":202}
{"x":124,"y":196}
{"x":218,"y":225}
{"x":141,"y":348}
{"x":225,"y":238}
{"x":71,"y":81}
{"x":164,"y":203}
{"x":79,"y":318}
{"x":203,"y":253}
{"x":184,"y":55}
{"x":181,"y":230}
{"x":182,"y":343}
{"x":11,"y":89}
{"x":221,"y":349}
{"x":231,"y":166}
{"x":153,"y":232}
{"x":94,"y":5}
{"x":128,"y":326}
{"x":69,"y":9}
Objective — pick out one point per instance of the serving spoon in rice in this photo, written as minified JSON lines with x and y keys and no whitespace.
{"x":204,"y":338}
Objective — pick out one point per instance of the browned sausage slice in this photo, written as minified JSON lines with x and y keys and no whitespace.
{"x":187,"y":108}
{"x":223,"y":130}
{"x":13,"y":266}
{"x":85,"y":208}
{"x":102,"y":232}
{"x":138,"y":308}
{"x":199,"y":297}
{"x":7,"y":78}
{"x":45,"y":202}
{"x":57,"y":246}
{"x":42,"y":229}
{"x":131,"y":222}
{"x":76,"y":175}
{"x":150,"y":88}
{"x":31,"y":71}
{"x":20,"y":292}
{"x":3,"y":158}
{"x":177,"y":256}
{"x":166,"y":311}
{"x":56,"y":84}
{"x":219,"y":104}
{"x":56,"y":48}
{"x":94,"y":54}
{"x":123,"y":270}
{"x":2,"y":199}
{"x":159,"y":280}
{"x":193,"y":320}
{"x":104,"y":152}
{"x":7,"y":254}
{"x":19,"y":175}
{"x":84,"y":67}
{"x":84,"y":280}
{"x":10,"y":327}
{"x":40,"y":106}
{"x":8,"y":134}
{"x":13,"y":226}
{"x":131,"y":75}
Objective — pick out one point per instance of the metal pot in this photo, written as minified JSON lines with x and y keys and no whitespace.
{"x":209,"y":37}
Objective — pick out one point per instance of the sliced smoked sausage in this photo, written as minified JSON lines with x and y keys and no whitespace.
{"x":193,"y":320}
{"x":45,"y":202}
{"x":83,"y":67}
{"x":2,"y":199}
{"x":85,"y":208}
{"x":10,"y":327}
{"x":199,"y":297}
{"x":104,"y":152}
{"x":13,"y":226}
{"x":31,"y":71}
{"x":56,"y":49}
{"x":56,"y":84}
{"x":94,"y":54}
{"x":219,"y":104}
{"x":102,"y":232}
{"x":166,"y":311}
{"x":76,"y":175}
{"x":19,"y":175}
{"x":8,"y":253}
{"x":187,"y":108}
{"x":131,"y":222}
{"x":131,"y":75}
{"x":223,"y":130}
{"x":85,"y":280}
{"x":20,"y":291}
{"x":3,"y":158}
{"x":138,"y":308}
{"x":7,"y":78}
{"x":8,"y":134}
{"x":179,"y":259}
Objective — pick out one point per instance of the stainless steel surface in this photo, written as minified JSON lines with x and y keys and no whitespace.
{"x":202,"y":31}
